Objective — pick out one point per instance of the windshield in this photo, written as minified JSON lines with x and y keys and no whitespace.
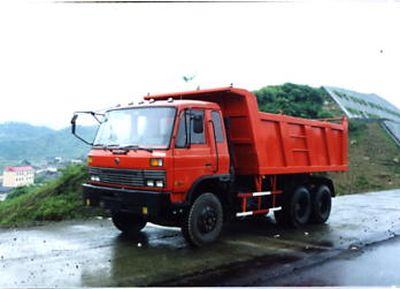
{"x":147,"y":127}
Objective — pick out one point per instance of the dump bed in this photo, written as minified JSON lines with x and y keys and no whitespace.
{"x":264,"y":143}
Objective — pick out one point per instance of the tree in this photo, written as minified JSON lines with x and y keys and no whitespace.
{"x":293,"y":99}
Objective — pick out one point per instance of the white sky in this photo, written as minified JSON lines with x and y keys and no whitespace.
{"x":58,"y":58}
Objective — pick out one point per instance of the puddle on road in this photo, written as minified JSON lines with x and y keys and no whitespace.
{"x":164,"y":259}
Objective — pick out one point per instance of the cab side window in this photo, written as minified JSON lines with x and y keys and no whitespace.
{"x":181,"y":135}
{"x":219,"y":134}
{"x":183,"y":130}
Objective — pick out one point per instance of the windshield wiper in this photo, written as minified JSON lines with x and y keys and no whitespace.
{"x":112,"y":147}
{"x":99,"y":146}
{"x":106,"y":147}
{"x":135,"y":148}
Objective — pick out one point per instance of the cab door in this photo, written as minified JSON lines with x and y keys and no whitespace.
{"x":193,"y":156}
{"x":218,"y":142}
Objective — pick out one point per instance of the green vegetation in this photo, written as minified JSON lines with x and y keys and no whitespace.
{"x":19,"y":192}
{"x":293,"y":99}
{"x":56,"y":200}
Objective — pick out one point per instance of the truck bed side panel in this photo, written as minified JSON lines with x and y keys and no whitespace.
{"x":294,"y":145}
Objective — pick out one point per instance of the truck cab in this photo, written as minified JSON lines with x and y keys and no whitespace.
{"x":147,"y":160}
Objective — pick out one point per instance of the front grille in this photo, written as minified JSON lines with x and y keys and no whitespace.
{"x":124,"y":177}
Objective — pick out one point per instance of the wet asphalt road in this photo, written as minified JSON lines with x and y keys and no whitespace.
{"x":93,"y":253}
{"x":374,"y":265}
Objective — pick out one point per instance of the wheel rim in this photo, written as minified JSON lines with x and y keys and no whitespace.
{"x":207,"y":220}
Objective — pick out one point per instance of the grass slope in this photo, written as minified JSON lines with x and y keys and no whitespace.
{"x":60,"y":199}
{"x":373,"y":161}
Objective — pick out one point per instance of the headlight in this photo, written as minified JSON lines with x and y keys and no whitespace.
{"x":95,"y":178}
{"x":159,"y":184}
{"x":156,"y":162}
{"x":155,"y":183}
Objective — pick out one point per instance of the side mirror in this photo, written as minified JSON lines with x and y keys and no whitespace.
{"x":73,"y":123}
{"x":198,"y":124}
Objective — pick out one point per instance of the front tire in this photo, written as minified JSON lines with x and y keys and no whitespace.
{"x":296,"y":210}
{"x":203,"y":223}
{"x":128,"y":223}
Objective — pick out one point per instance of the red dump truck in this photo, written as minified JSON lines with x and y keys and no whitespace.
{"x":199,"y":158}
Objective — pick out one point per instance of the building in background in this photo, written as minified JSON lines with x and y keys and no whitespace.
{"x":369,"y":107}
{"x":18,"y":176}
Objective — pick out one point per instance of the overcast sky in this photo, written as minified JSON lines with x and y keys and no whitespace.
{"x":58,"y":58}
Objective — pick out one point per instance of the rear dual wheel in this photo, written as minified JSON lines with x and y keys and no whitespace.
{"x":321,"y":205}
{"x":302,"y":207}
{"x":296,"y":210}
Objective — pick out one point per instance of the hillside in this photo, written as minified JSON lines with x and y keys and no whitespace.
{"x":20,"y":141}
{"x":60,"y":199}
{"x":374,"y":161}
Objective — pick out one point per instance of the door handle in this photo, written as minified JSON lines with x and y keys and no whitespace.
{"x":208,"y":165}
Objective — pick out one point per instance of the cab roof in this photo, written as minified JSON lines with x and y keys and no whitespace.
{"x":197,"y":93}
{"x":166,"y":103}
{"x":207,"y":98}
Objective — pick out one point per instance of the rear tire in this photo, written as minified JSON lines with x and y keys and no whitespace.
{"x":296,"y":210}
{"x":128,"y":223}
{"x":203,"y":223}
{"x":321,"y":205}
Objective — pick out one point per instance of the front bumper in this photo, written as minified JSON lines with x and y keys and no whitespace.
{"x":153,"y":204}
